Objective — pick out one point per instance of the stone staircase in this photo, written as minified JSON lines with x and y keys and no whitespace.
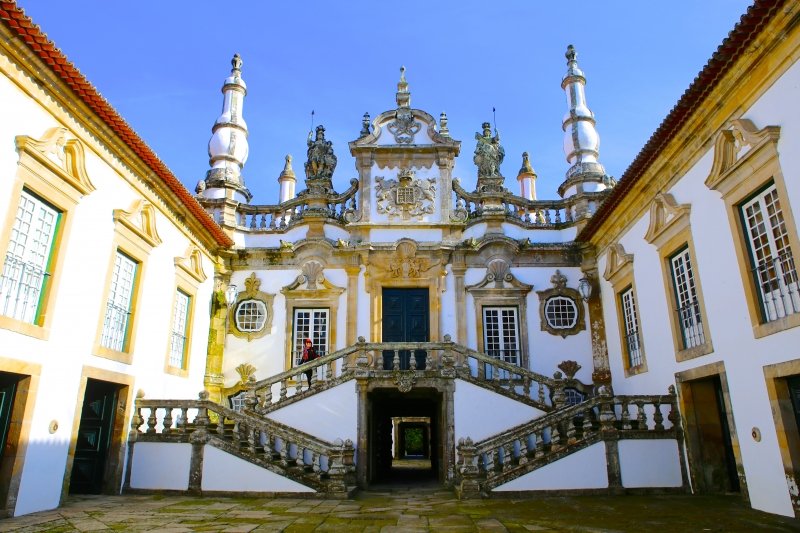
{"x":328,"y":467}
{"x":492,"y":462}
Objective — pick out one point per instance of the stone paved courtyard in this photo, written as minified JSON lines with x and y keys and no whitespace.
{"x":405,"y":510}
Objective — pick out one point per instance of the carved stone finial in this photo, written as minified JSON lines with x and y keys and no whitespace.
{"x":246,"y":373}
{"x":365,"y":125}
{"x":558,"y":280}
{"x":526,"y":165}
{"x":287,"y":167}
{"x":570,"y":368}
{"x":236,"y":63}
{"x":403,"y":96}
{"x":443,"y":131}
{"x":203,"y":395}
{"x":571,"y":55}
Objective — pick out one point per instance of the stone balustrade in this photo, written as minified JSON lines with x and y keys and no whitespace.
{"x":445,"y":359}
{"x":278,"y":218}
{"x":543,"y":214}
{"x":496,"y":460}
{"x":324,"y":466}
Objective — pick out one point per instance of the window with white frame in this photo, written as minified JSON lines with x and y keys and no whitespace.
{"x":561,"y":312}
{"x":690,"y":320}
{"x":251,"y":315}
{"x":501,"y":333}
{"x":180,"y":323}
{"x":310,"y":324}
{"x":120,"y":300}
{"x":630,"y":318}
{"x":25,"y":269}
{"x":771,"y":257}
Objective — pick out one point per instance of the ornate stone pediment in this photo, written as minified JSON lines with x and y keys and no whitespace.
{"x":617,"y":262}
{"x":140,"y":218}
{"x":60,"y":155}
{"x":666,"y":218}
{"x":740,"y":140}
{"x":312,"y":278}
{"x":499,"y":278}
{"x":192,"y":264}
{"x":406,"y":197}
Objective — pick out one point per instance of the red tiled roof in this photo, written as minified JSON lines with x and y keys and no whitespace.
{"x":731,"y":49}
{"x":14,"y":17}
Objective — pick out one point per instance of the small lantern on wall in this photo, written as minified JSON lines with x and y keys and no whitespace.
{"x":230,"y":294}
{"x":585,"y":288}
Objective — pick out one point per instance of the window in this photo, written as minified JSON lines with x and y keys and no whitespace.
{"x":26,"y":268}
{"x":771,"y":261}
{"x":561,"y":312}
{"x":120,"y":299}
{"x":670,"y":231}
{"x":688,"y":305}
{"x":632,"y":346}
{"x":501,"y":333}
{"x":747,"y":173}
{"x":180,"y":322}
{"x":619,"y":272}
{"x":251,"y":315}
{"x":311,"y":324}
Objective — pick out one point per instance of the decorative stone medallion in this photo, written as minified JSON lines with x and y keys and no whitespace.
{"x":406,"y":197}
{"x":403,"y":127}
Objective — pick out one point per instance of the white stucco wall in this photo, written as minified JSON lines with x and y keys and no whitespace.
{"x":329,"y":415}
{"x":727,"y":319}
{"x":480,"y":413}
{"x":76,"y":305}
{"x":649,"y":463}
{"x":585,"y":469}
{"x":161,"y":466}
{"x":227,"y":473}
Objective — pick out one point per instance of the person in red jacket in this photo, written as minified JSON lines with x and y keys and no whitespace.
{"x":309,"y":354}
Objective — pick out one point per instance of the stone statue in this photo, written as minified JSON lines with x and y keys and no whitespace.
{"x":321,"y":160}
{"x":488,"y":153}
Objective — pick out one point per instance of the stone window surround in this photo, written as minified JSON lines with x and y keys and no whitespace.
{"x":135,"y":235}
{"x":619,"y":272}
{"x":670,"y":231}
{"x":560,"y":289}
{"x":499,"y":288}
{"x":310,"y":290}
{"x":252,"y":292}
{"x":189,"y":275}
{"x":52,"y":168}
{"x":737,"y":174}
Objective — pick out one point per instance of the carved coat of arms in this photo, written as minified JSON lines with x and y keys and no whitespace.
{"x":406,"y":197}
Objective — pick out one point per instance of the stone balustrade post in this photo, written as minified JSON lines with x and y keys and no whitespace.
{"x":469,"y":474}
{"x":448,"y":362}
{"x":362,"y":361}
{"x":559,"y":398}
{"x":340,"y":465}
{"x":607,"y":414}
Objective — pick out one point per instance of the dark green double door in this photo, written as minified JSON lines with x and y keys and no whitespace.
{"x":406,"y":318}
{"x":94,"y":437}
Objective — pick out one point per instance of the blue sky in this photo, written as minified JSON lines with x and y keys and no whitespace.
{"x":162,"y":65}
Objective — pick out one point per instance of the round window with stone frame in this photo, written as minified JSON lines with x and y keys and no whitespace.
{"x":561,"y":312}
{"x":250,"y":315}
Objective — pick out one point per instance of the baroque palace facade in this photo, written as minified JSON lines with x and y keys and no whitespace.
{"x":630,"y":336}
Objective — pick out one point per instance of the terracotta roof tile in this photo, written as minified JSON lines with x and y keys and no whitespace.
{"x":746,"y":30}
{"x":14,"y":17}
